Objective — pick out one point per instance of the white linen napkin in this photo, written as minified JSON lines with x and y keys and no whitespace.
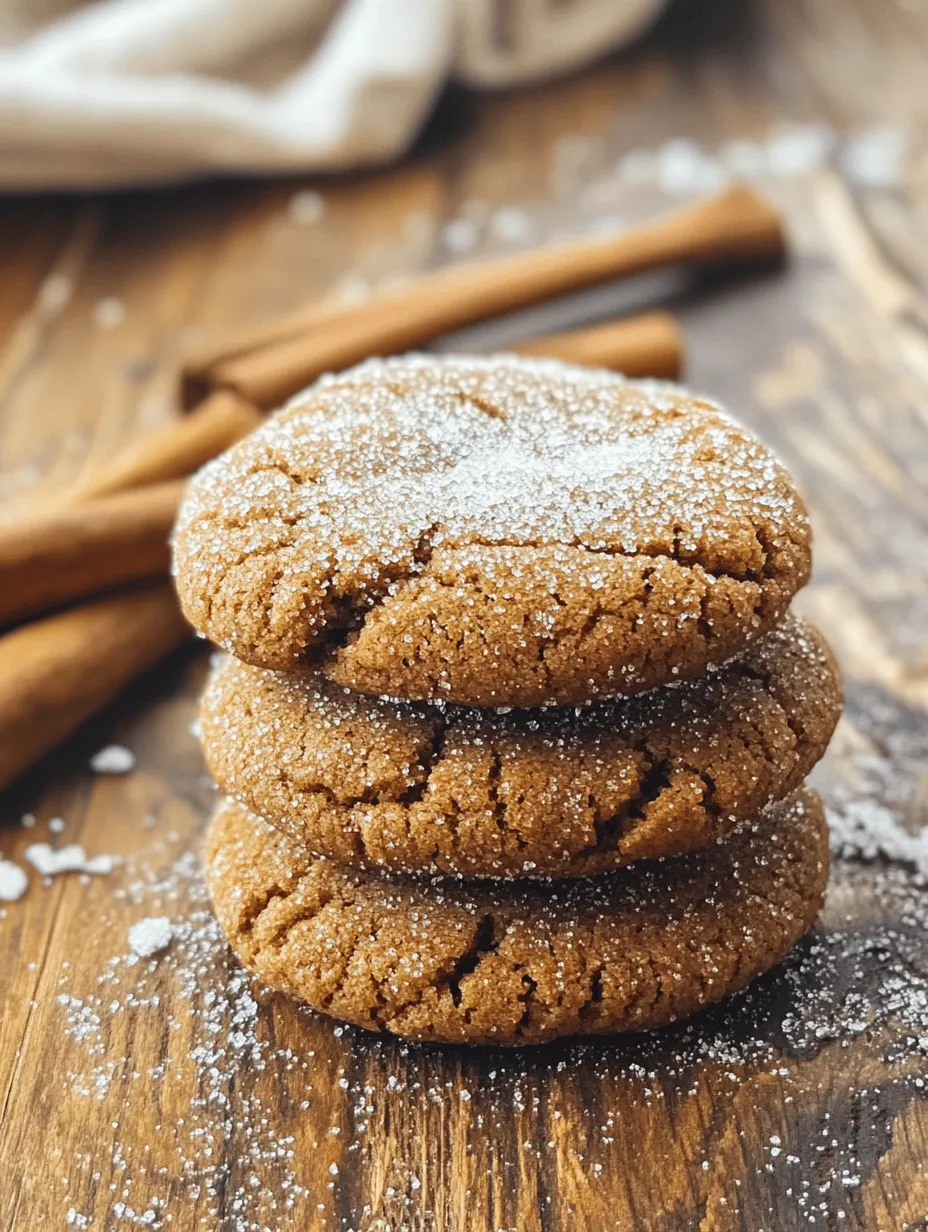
{"x":133,"y":91}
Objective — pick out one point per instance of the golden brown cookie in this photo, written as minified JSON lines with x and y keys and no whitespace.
{"x":518,"y":963}
{"x":551,"y":793}
{"x":495,"y":531}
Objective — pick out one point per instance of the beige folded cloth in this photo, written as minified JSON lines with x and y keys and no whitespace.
{"x":134,"y":91}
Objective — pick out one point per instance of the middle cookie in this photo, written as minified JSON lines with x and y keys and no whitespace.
{"x":523,"y":793}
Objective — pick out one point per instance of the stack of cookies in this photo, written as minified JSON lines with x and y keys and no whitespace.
{"x":515,"y":719}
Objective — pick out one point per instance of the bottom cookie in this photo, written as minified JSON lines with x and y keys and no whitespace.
{"x":504,"y":963}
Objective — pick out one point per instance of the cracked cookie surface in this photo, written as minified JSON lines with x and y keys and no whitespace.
{"x":560,"y":792}
{"x":508,"y":963}
{"x":491,"y":531}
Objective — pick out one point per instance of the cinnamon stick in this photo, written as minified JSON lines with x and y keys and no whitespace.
{"x":645,"y":345}
{"x":56,"y":672}
{"x":270,"y":366}
{"x":178,"y":449}
{"x":54,"y":558}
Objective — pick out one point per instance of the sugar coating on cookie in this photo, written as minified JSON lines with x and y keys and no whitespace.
{"x":492,"y":531}
{"x":559,"y":792}
{"x":518,"y":963}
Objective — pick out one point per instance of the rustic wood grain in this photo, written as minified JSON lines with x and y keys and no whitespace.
{"x":742,"y":1120}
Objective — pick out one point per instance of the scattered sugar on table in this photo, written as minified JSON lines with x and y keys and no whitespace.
{"x":72,"y":858}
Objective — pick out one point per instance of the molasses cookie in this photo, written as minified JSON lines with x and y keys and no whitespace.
{"x":492,"y":531}
{"x":518,"y":963}
{"x":545,"y":793}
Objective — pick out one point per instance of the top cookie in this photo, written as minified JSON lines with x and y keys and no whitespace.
{"x":492,"y":531}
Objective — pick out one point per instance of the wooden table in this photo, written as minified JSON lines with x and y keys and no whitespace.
{"x":160,"y":1094}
